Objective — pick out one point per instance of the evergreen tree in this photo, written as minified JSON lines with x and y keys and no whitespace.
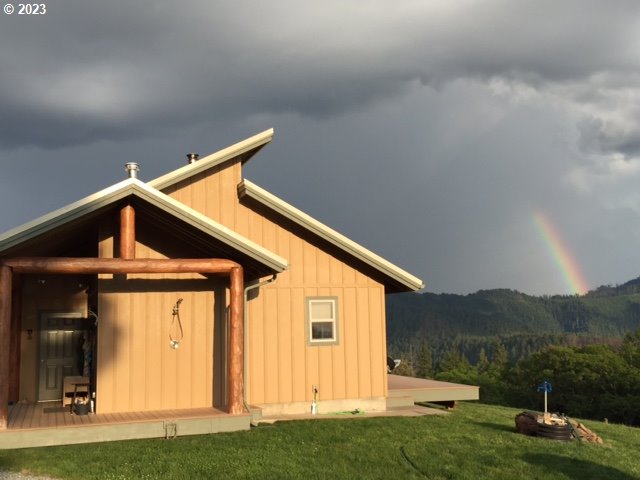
{"x":405,"y":369}
{"x":500,"y":359}
{"x":483,"y":362}
{"x":630,"y":349}
{"x":453,"y":360}
{"x":425,"y":361}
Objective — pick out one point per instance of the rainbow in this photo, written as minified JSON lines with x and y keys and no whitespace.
{"x":560,"y":254}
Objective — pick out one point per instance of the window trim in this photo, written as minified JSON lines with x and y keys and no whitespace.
{"x":309,"y":321}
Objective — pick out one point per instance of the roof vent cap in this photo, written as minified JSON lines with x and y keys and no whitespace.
{"x":132,"y":169}
{"x":192,"y":157}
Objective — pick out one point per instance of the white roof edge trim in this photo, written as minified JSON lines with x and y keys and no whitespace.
{"x":211,"y":227}
{"x":212,"y":160}
{"x":65,"y":214}
{"x":259,"y":194}
{"x":134,"y":186}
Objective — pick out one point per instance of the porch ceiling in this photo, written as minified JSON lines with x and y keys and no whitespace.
{"x":177,"y":239}
{"x":74,"y":239}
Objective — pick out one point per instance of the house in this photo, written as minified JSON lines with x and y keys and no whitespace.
{"x":196,"y":290}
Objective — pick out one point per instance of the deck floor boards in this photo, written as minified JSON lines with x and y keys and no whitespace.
{"x":30,"y":425}
{"x":24,"y":416}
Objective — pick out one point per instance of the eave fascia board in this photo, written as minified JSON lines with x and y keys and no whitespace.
{"x":210,"y":161}
{"x":135,"y":187}
{"x":210,"y":227}
{"x":250,"y":190}
{"x":65,"y":214}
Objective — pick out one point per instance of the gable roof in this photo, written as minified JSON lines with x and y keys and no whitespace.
{"x":247,"y":148}
{"x":250,"y":190}
{"x":134,"y":187}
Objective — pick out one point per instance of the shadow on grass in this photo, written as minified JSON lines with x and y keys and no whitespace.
{"x":496,"y":426}
{"x":575,"y":468}
{"x":434,"y":406}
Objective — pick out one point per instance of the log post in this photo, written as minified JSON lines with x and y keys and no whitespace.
{"x":16,"y":333}
{"x":127,"y":232}
{"x":5,"y":332}
{"x":235,"y":376}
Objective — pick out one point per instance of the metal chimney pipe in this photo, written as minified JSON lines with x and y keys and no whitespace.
{"x":192,"y":157}
{"x":132,"y":169}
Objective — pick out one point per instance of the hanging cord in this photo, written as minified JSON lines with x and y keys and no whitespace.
{"x":175,"y":343}
{"x":92,"y":314}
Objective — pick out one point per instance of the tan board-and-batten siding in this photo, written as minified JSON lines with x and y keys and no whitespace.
{"x":282,"y":366}
{"x":137,"y":369}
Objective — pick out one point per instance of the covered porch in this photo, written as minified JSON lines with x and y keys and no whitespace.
{"x":127,"y":243}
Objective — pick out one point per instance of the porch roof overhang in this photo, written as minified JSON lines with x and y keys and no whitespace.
{"x":394,"y":278}
{"x":153,"y":202}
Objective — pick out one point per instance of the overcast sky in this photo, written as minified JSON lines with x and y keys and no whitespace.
{"x":428,"y":131}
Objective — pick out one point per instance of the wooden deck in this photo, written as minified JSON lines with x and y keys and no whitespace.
{"x":43,"y":424}
{"x":48,"y":423}
{"x":404,"y":391}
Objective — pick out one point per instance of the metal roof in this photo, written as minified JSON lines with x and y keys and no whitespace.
{"x":250,"y":190}
{"x":249,"y":146}
{"x":150,"y":192}
{"x":132,"y":186}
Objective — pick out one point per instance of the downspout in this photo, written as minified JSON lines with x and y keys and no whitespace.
{"x":246,"y":335}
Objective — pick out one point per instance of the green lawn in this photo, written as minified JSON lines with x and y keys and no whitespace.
{"x":473,"y":442}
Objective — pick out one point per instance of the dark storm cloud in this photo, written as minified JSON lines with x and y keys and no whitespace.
{"x":120,"y":70}
{"x":440,"y":126}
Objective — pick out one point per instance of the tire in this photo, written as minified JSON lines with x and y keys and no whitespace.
{"x":526,"y":424}
{"x":555,"y":432}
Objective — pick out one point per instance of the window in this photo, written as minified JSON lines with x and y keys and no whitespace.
{"x":322,"y":320}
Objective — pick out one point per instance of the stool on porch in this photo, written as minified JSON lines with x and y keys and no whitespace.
{"x":74,"y":387}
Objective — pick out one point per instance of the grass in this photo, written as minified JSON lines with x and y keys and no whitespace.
{"x":473,"y":442}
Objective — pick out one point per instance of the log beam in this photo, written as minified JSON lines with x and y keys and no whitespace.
{"x":235,"y":400}
{"x":127,"y":232}
{"x":5,"y":331}
{"x":91,"y":266}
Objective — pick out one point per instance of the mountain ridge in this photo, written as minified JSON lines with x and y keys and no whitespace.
{"x":479,"y":319}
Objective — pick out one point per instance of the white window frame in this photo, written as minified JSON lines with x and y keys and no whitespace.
{"x":310,"y":321}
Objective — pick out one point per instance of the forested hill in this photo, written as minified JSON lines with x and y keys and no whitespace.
{"x":526,"y":322}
